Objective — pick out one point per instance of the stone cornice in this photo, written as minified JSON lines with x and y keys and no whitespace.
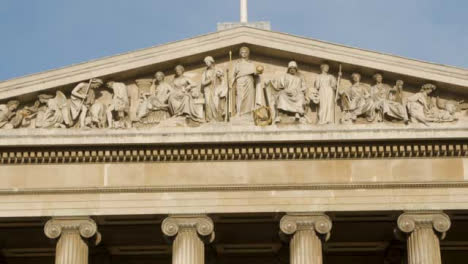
{"x":234,"y":188}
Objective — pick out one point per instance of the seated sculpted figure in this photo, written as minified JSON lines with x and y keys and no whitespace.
{"x":119,"y":106}
{"x":422,"y":107}
{"x":382,"y":107}
{"x":215,"y":89}
{"x":57,"y":113}
{"x":356,"y":101}
{"x":290,"y":96}
{"x":156,"y":101}
{"x":183,"y":99}
{"x":7,"y":112}
{"x":396,"y":92}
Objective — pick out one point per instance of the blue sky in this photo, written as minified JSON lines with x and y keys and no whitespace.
{"x":38,"y":35}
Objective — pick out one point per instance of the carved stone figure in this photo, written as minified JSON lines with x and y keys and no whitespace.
{"x":183,"y":101}
{"x":7,"y":112}
{"x":97,"y":117}
{"x":356,"y":100}
{"x":56,"y":113}
{"x":82,"y":98}
{"x":23,"y":117}
{"x":291,"y":89}
{"x":422,"y":108}
{"x":244,"y":83}
{"x":120,"y":106}
{"x":215,"y":89}
{"x":396,"y":92}
{"x":325,"y":85}
{"x":156,"y":101}
{"x":382,"y":107}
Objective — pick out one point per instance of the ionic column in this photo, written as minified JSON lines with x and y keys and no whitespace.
{"x":423,"y":241}
{"x":306,"y":245}
{"x":71,"y":248}
{"x":188,"y":246}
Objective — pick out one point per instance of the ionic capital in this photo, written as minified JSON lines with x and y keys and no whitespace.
{"x":319,"y":222}
{"x":201,"y":223}
{"x":409,"y":221}
{"x":86,"y":226}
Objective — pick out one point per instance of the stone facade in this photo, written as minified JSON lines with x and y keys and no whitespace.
{"x":193,"y":136}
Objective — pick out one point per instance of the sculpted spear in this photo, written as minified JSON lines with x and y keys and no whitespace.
{"x":336,"y":92}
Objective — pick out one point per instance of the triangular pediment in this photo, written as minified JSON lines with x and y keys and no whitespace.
{"x":267,"y":43}
{"x":273,"y":50}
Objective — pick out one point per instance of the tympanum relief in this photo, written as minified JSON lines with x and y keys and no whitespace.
{"x":238,"y":92}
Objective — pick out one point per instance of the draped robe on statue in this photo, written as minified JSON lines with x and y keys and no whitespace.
{"x":76,"y":103}
{"x":5,"y":115}
{"x":182,"y":99}
{"x":157,"y":101}
{"x":356,"y":101}
{"x":214,"y":93}
{"x":384,"y":106}
{"x":244,"y":79}
{"x":291,"y":93}
{"x":325,"y":84}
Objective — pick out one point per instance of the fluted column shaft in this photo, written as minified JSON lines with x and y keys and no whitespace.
{"x":188,"y":247}
{"x":71,"y":248}
{"x":423,"y":241}
{"x":305,"y":244}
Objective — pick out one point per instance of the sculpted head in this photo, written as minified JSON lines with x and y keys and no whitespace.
{"x":356,"y":77}
{"x":428,"y":88}
{"x":109,"y":84}
{"x":324,"y":67}
{"x":13,"y":105}
{"x":159,"y":76}
{"x":179,"y":70}
{"x":378,"y":78}
{"x":292,"y":67}
{"x":400,"y":83}
{"x":96,"y":83}
{"x":244,"y":52}
{"x":209,"y":61}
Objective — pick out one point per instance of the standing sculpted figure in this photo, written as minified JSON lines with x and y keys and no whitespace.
{"x":244,"y":82}
{"x":383,"y":107}
{"x":156,"y":99}
{"x":326,"y":86}
{"x":215,"y":89}
{"x":119,"y":106}
{"x":182,"y":99}
{"x":291,"y":89}
{"x":7,"y":112}
{"x":356,"y":100}
{"x":82,"y":98}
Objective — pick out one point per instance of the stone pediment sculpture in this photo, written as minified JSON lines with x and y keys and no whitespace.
{"x":235,"y":85}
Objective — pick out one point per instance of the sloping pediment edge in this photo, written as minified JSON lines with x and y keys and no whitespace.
{"x":224,"y":39}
